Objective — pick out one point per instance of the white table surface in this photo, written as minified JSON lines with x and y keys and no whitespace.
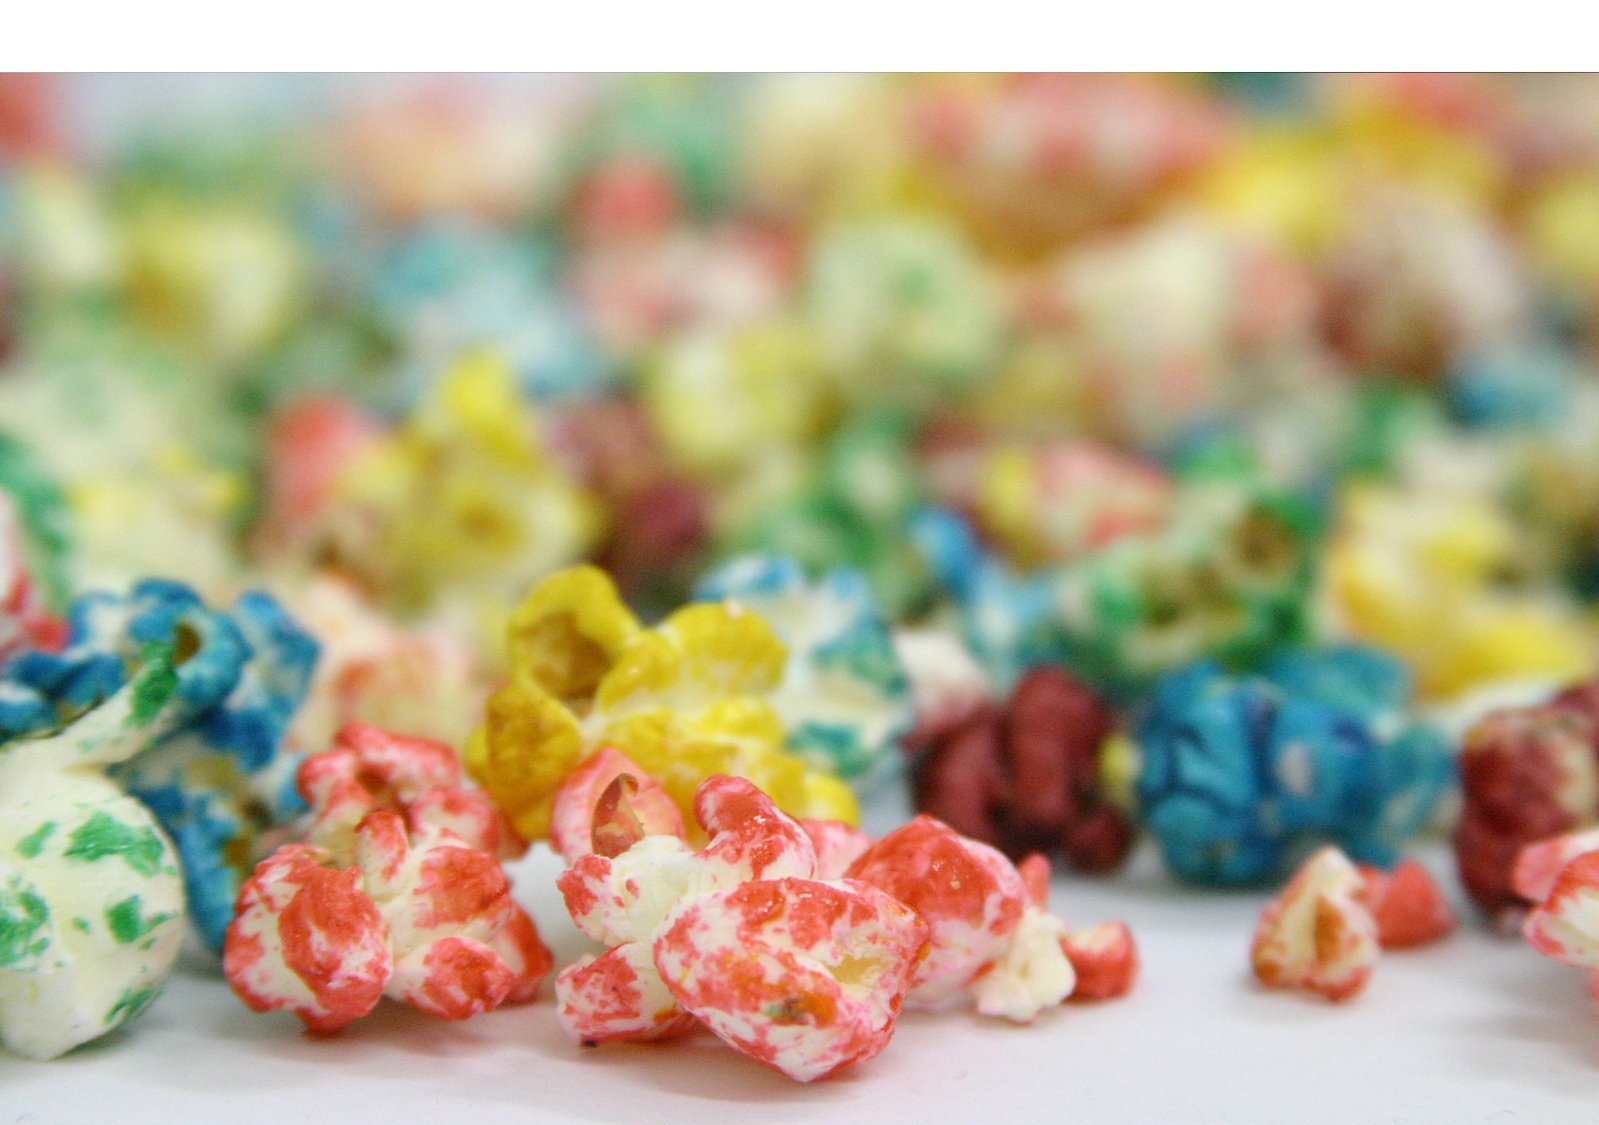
{"x":1477,"y":1028}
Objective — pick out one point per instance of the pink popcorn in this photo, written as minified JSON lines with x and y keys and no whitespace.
{"x":1318,"y":935}
{"x":1539,"y":865}
{"x":1565,"y":925}
{"x":420,"y":918}
{"x":837,"y":846}
{"x":1407,"y":905}
{"x":988,"y":937}
{"x":607,"y":804}
{"x":369,"y":768}
{"x":1104,"y":958}
{"x":803,"y":975}
{"x":305,"y":937}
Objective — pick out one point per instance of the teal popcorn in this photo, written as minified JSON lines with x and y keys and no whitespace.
{"x":221,"y":776}
{"x":1240,"y":776}
{"x":1228,"y":579}
{"x":451,"y":286}
{"x":845,"y":699}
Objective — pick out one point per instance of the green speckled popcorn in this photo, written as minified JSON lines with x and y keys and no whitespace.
{"x":91,"y":896}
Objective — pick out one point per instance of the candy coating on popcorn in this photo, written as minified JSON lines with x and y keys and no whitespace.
{"x":1227,"y":578}
{"x":91,"y":895}
{"x":1407,"y":905}
{"x":1238,"y":772}
{"x":1105,"y":959}
{"x":1565,"y":925}
{"x":802,"y":974}
{"x":223,"y":775}
{"x":844,"y":699}
{"x":1025,"y":776}
{"x":418,"y":916}
{"x":1317,"y":935}
{"x":368,"y":769}
{"x":1527,"y":774}
{"x":686,"y":700}
{"x":989,"y":936}
{"x":606,"y":801}
{"x":460,"y":500}
{"x":1540,"y":864}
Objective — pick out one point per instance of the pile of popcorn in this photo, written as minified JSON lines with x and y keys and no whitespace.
{"x":660,"y":470}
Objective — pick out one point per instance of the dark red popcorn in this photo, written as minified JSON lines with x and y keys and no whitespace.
{"x":1526,"y":773}
{"x":1024,"y":777}
{"x":656,"y":518}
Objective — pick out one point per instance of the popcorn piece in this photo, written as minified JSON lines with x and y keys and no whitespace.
{"x":1105,"y":959}
{"x":219,"y":779}
{"x":989,"y":937}
{"x":370,"y":768}
{"x":1239,"y":772}
{"x":1527,"y":774}
{"x":684,"y":701}
{"x":460,"y":501}
{"x":591,"y":797}
{"x":803,"y":975}
{"x":1539,"y":865}
{"x":1027,"y":776}
{"x":1407,"y":905}
{"x":91,"y":897}
{"x":1228,"y":577}
{"x":844,"y":699}
{"x":837,"y":844}
{"x":1318,"y":934}
{"x":1565,"y":926}
{"x":423,"y":919}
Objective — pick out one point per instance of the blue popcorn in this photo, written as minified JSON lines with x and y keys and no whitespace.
{"x":1242,"y":775}
{"x":221,"y":776}
{"x":845,"y":700}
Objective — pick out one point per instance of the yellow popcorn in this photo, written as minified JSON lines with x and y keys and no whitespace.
{"x":685,"y":700}
{"x":1422,"y":575}
{"x":460,"y":500}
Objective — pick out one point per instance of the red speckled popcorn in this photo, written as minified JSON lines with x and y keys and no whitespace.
{"x":1526,"y":774}
{"x":422,"y":919}
{"x":1407,"y":905}
{"x":1026,"y":777}
{"x":1540,"y":864}
{"x":990,"y":938}
{"x":1104,"y":958}
{"x":369,"y":768}
{"x":803,"y":975}
{"x":1565,"y":926}
{"x":1318,"y":935}
{"x":593,"y":813}
{"x":837,"y":846}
